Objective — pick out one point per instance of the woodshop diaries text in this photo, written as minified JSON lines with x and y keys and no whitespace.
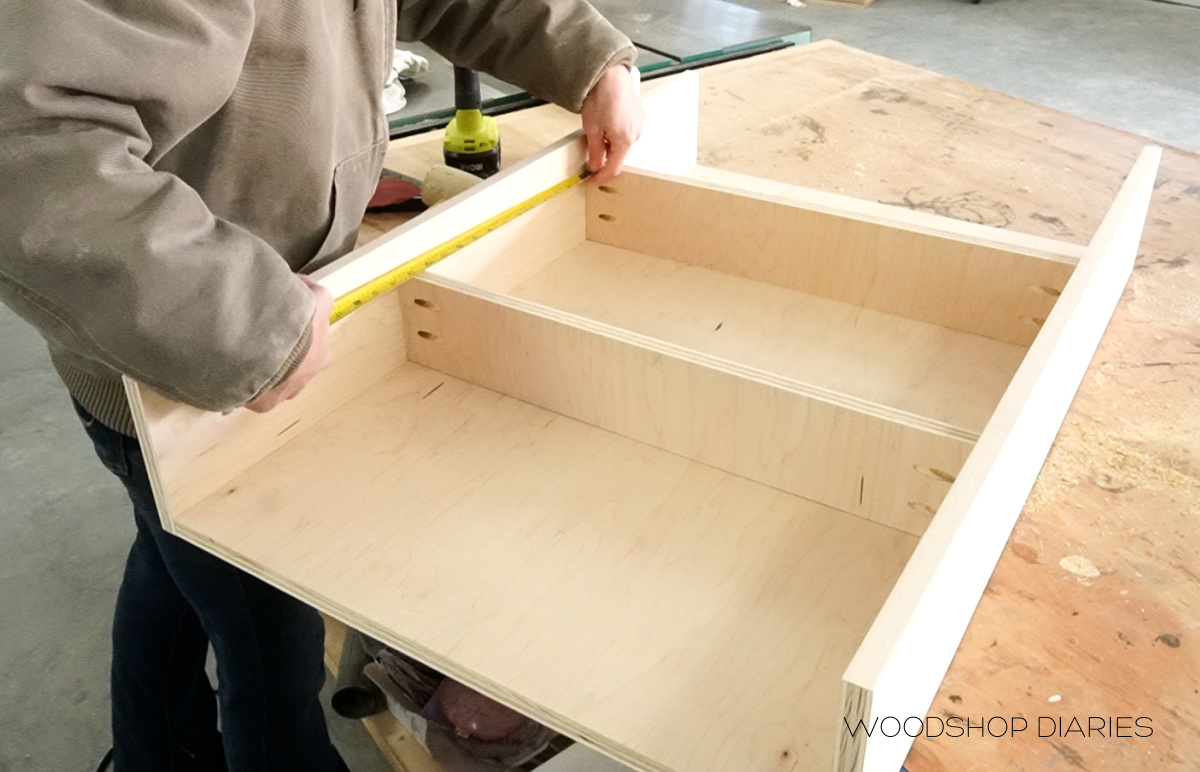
{"x":1003,"y":726}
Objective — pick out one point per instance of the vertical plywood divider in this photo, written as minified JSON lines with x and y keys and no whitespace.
{"x":906,"y":653}
{"x":958,"y":275}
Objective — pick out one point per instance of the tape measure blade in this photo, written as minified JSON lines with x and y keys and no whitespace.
{"x":392,"y":279}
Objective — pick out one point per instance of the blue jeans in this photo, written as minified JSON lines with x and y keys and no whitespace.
{"x":175,"y":600}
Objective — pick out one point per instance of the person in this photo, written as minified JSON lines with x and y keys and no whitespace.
{"x":167,"y":169}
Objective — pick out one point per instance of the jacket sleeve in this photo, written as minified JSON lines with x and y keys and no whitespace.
{"x":107,"y":257}
{"x":554,"y":49}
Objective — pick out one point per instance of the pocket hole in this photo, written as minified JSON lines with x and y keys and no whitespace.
{"x":923,"y":509}
{"x":423,"y":303}
{"x":608,"y":218}
{"x":607,"y":189}
{"x":426,"y":334}
{"x":1035,"y":321}
{"x":1045,"y":290}
{"x":936,"y":474}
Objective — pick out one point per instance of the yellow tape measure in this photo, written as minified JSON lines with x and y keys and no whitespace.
{"x":359,"y":297}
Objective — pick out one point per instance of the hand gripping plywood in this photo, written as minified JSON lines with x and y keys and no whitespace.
{"x":700,"y":469}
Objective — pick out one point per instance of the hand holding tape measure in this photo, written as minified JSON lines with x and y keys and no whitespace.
{"x":471,"y":143}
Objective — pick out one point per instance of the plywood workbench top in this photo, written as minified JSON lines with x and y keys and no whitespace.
{"x":1094,"y":609}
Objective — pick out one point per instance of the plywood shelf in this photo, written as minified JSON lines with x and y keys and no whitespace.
{"x":530,"y":582}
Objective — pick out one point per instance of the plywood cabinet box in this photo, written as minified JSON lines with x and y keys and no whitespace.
{"x":702,"y":469}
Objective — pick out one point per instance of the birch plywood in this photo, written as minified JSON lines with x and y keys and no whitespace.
{"x":613,"y":590}
{"x":903,"y":659}
{"x":195,"y":451}
{"x":592,"y":573}
{"x":1121,"y":483}
{"x":912,"y":367}
{"x":873,"y":463}
{"x":974,"y":279}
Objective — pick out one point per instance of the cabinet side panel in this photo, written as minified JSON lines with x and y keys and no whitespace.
{"x":906,"y":653}
{"x":191,"y":453}
{"x":727,"y":416}
{"x":965,"y":285}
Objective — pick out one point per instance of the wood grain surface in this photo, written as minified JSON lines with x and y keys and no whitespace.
{"x":915,"y":367}
{"x":848,"y":454}
{"x":913,"y":640}
{"x":512,"y":548}
{"x":869,"y":259}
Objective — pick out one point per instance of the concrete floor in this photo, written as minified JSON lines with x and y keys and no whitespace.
{"x":65,"y":524}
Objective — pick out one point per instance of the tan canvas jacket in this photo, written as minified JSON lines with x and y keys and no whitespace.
{"x":166,"y":166}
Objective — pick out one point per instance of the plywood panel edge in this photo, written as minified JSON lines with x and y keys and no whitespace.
{"x":142,"y":423}
{"x":885,"y":214}
{"x":852,"y":734}
{"x":910,"y":646}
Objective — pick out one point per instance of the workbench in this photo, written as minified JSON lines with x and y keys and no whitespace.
{"x":1092,"y":610}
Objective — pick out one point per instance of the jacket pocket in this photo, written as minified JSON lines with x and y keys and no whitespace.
{"x":354,"y":182}
{"x":112,"y":447}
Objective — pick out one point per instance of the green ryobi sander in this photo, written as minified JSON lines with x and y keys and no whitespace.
{"x":472,"y":141}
